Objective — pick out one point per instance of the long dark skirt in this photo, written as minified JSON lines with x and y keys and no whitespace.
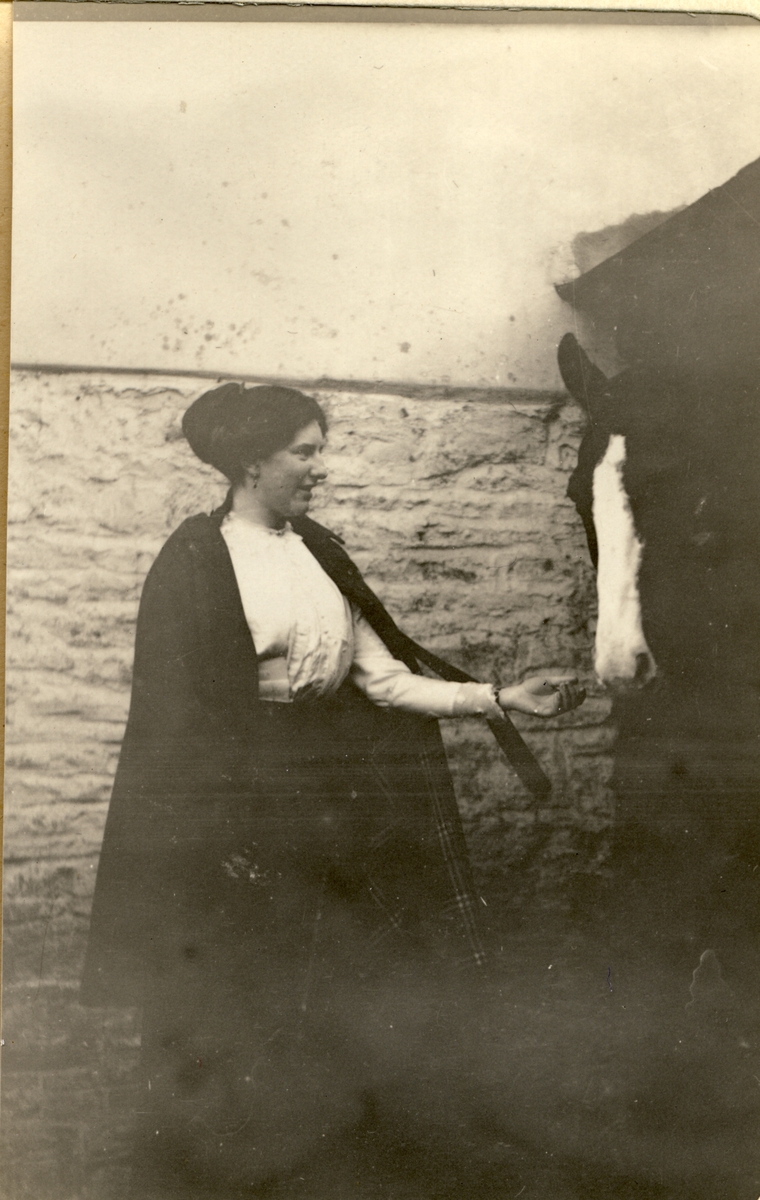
{"x":267,"y":1020}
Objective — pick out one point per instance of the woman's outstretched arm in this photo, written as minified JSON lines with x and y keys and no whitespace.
{"x":389,"y":683}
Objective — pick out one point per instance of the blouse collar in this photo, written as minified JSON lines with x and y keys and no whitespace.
{"x":247,"y":524}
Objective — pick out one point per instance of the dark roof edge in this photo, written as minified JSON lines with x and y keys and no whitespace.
{"x":567,"y":291}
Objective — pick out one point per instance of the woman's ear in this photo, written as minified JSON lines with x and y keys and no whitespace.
{"x":251,"y":475}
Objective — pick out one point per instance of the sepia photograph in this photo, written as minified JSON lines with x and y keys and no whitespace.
{"x":383,"y":606}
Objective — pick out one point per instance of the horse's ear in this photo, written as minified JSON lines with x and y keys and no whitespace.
{"x":583,"y":380}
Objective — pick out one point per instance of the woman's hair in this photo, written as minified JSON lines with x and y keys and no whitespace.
{"x":232,"y":427}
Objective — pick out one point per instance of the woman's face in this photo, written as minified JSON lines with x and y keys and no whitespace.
{"x":287,"y":478}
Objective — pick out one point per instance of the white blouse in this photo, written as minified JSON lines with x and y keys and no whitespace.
{"x":309,"y":639}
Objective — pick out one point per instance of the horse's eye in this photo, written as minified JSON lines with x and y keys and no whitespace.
{"x":703,"y":538}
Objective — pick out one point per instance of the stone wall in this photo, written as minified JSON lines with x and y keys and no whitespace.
{"x":452,"y":502}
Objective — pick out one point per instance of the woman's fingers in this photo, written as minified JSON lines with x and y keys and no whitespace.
{"x":570,"y":696}
{"x":546,"y":684}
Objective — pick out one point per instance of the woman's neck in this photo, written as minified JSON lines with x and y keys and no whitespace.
{"x":247,"y":503}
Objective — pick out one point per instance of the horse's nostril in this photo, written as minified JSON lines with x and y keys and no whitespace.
{"x":646,"y":668}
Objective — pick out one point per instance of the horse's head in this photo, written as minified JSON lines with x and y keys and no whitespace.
{"x":598,"y":488}
{"x":667,"y":487}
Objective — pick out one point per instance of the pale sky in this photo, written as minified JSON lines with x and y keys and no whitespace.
{"x":358,"y":201}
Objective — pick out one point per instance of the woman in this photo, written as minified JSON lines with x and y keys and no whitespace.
{"x":282,"y":832}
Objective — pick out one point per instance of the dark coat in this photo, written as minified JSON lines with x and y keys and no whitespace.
{"x":195,"y":781}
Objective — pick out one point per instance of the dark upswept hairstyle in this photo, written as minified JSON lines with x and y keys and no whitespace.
{"x":232,"y":426}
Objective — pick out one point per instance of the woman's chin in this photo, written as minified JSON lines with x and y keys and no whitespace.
{"x":299,"y":506}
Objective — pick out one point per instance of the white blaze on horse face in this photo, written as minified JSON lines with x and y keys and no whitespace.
{"x":622,"y":655}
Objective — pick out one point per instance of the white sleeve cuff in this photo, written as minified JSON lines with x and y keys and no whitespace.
{"x":474,"y":699}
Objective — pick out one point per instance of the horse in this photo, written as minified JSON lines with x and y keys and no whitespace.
{"x":668,"y":488}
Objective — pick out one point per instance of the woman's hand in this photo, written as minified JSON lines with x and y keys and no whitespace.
{"x":543,"y":695}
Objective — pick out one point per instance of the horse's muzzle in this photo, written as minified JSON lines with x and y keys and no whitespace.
{"x":644,"y":671}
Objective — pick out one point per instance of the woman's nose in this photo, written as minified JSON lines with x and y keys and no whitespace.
{"x":318,"y":468}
